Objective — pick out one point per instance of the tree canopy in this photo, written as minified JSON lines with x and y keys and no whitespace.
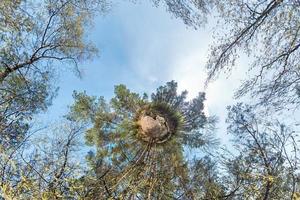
{"x":149,"y":146}
{"x":35,"y":37}
{"x":127,"y":162}
{"x":140,"y":142}
{"x":266,"y":31}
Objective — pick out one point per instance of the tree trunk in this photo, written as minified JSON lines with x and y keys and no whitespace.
{"x":3,"y":75}
{"x":268,"y":187}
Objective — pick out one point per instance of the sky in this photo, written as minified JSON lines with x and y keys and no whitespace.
{"x":143,"y":47}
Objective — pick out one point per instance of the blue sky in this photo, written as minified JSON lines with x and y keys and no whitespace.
{"x":143,"y":47}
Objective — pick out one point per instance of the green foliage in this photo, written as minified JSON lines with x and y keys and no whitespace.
{"x":265,"y":165}
{"x":205,"y":179}
{"x":20,"y":99}
{"x":45,"y":166}
{"x":124,"y":162}
{"x":121,"y":165}
{"x":267,"y":31}
{"x":35,"y":36}
{"x":139,"y":168}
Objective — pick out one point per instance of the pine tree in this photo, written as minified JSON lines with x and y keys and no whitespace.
{"x":140,"y":142}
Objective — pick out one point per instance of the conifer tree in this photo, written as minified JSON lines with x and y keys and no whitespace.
{"x":140,"y":142}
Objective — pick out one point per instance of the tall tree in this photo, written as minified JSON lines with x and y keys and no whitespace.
{"x":139,"y":142}
{"x":45,"y":165}
{"x":268,"y":31}
{"x":206,"y":179}
{"x":266,"y":157}
{"x":35,"y":36}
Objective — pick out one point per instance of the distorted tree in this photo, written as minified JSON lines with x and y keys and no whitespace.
{"x":140,"y":142}
{"x":35,"y":36}
{"x":266,"y":158}
{"x":206,"y":179}
{"x":44,"y":165}
{"x":266,"y":31}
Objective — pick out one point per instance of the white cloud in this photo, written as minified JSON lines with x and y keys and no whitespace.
{"x":160,"y":49}
{"x":143,"y":47}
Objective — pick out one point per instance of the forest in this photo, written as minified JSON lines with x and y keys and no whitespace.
{"x":116,"y":99}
